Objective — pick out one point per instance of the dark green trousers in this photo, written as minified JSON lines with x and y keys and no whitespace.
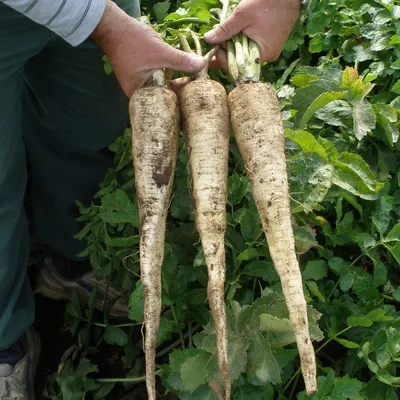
{"x":59,"y":112}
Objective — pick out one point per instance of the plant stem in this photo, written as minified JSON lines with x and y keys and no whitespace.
{"x":115,"y":326}
{"x":158,"y":78}
{"x":184,"y":43}
{"x":232,"y":66}
{"x":173,"y":312}
{"x":187,"y":20}
{"x":176,"y":343}
{"x":190,"y":336}
{"x":224,"y":12}
{"x":333,"y":338}
{"x":329,"y":340}
{"x":245,"y":47}
{"x":390,"y":298}
{"x":294,"y":387}
{"x":196,"y":41}
{"x":240,"y":61}
{"x":345,"y":270}
{"x":135,"y":379}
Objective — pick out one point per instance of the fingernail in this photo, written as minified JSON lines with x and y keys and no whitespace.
{"x":197,"y":62}
{"x":210,"y":36}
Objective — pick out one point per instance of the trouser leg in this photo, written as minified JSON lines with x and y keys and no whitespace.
{"x":72,"y":112}
{"x":20,"y":39}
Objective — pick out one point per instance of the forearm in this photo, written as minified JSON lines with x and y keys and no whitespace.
{"x":72,"y":20}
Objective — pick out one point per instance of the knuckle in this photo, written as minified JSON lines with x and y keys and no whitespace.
{"x":178,"y":58}
{"x":224,"y":28}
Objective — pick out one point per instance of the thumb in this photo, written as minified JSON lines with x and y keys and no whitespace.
{"x":225,"y":31}
{"x":180,"y":61}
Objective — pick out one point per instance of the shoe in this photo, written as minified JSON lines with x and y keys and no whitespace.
{"x":17,"y":382}
{"x":50,"y":283}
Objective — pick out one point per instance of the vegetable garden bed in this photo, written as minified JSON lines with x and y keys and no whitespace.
{"x":338,"y":84}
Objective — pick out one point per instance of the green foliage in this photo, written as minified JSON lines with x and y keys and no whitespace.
{"x":338,"y":84}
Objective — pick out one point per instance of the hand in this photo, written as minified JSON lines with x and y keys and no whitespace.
{"x":135,"y":50}
{"x":267,"y":22}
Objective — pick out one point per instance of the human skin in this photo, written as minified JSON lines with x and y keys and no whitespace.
{"x":267,"y":22}
{"x":135,"y":50}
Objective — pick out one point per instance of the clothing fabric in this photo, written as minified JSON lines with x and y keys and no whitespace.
{"x":59,"y":112}
{"x":72,"y":20}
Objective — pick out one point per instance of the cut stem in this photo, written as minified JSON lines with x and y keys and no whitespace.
{"x":196,"y":41}
{"x":243,"y":59}
{"x":224,"y":12}
{"x":232,"y":65}
{"x":157,"y":78}
{"x":184,"y":43}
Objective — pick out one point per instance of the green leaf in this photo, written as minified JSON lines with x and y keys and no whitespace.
{"x":115,"y":336}
{"x":350,"y":76}
{"x":393,"y":342}
{"x":316,"y":270}
{"x":307,"y":142}
{"x":176,"y":360}
{"x":363,"y":118}
{"x":381,"y":218}
{"x":391,"y":394}
{"x":396,"y":294}
{"x":251,"y":392}
{"x":329,"y":148}
{"x":346,"y":281}
{"x":359,"y":321}
{"x":261,"y":362}
{"x":108,"y":69}
{"x":396,"y":87}
{"x":73,"y":306}
{"x":262,"y":269}
{"x":248,"y":254}
{"x":160,"y":10}
{"x":238,"y":346}
{"x":347,"y":343}
{"x":321,"y":101}
{"x":204,"y":392}
{"x":250,"y":225}
{"x":167,"y":325}
{"x":313,"y":288}
{"x":352,"y":173}
{"x":136,"y":303}
{"x":237,"y":188}
{"x":380,"y":274}
{"x":279,"y":330}
{"x":347,"y":387}
{"x":386,"y":117}
{"x":379,"y":315}
{"x":130,"y":241}
{"x":200,"y":259}
{"x":118,"y":208}
{"x":304,"y":239}
{"x":103,"y":391}
{"x":194,"y":371}
{"x":386,"y":377}
{"x":337,"y":265}
{"x":394,"y":233}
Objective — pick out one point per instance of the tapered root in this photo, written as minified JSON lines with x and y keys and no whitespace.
{"x":257,"y":125}
{"x":206,"y":127}
{"x":154,"y":119}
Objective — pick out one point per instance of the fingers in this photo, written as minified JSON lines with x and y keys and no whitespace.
{"x":220,"y":61}
{"x":180,"y":61}
{"x":225,"y":31}
{"x":177,"y":84}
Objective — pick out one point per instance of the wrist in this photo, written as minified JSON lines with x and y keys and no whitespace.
{"x":110,"y":28}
